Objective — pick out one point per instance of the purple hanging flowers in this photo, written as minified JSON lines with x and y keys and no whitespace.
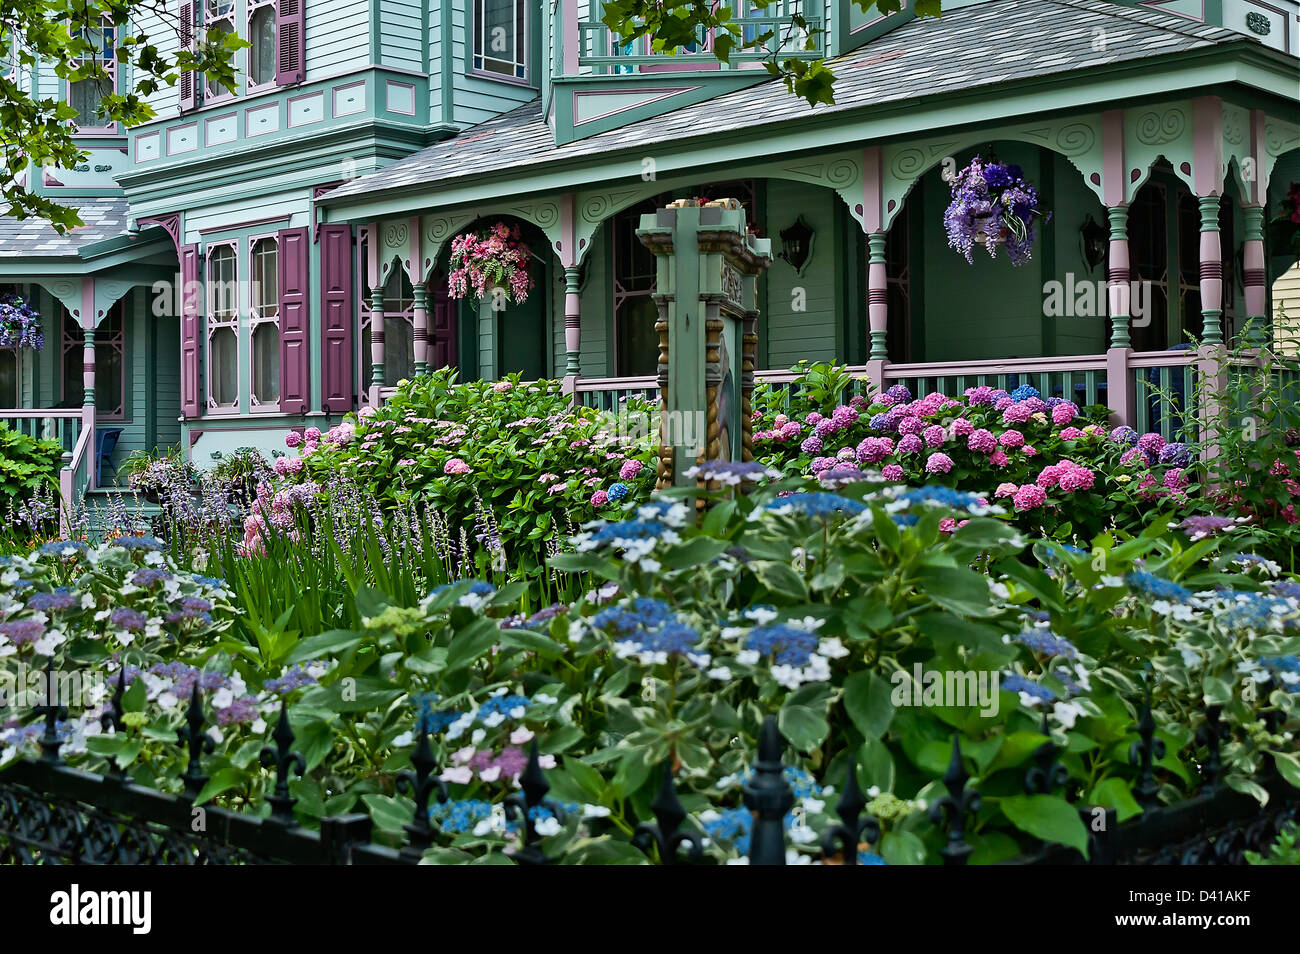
{"x":992,"y":204}
{"x":20,"y":325}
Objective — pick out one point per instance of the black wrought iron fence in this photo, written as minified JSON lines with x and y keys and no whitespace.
{"x":53,"y":813}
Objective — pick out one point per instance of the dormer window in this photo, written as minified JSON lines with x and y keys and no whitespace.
{"x":501,"y":39}
{"x":218,"y":16}
{"x":87,"y":95}
{"x":262,"y":36}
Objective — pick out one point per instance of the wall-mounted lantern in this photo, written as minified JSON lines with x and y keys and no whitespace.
{"x":796,"y":244}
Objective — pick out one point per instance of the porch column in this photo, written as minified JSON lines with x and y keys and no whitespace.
{"x":1254,"y":277}
{"x":421,"y":319}
{"x":572,"y":322}
{"x":877,"y":309}
{"x":88,"y":379}
{"x":376,"y":343}
{"x":1119,"y":386}
{"x":1211,"y":271}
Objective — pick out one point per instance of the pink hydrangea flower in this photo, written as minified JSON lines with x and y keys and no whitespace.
{"x":599,"y":498}
{"x":811,"y":444}
{"x":630,"y":470}
{"x":892,"y":472}
{"x":282,"y":466}
{"x":962,"y":427}
{"x":934,"y":435}
{"x":1064,"y":413}
{"x":455,"y":466}
{"x":557,"y":488}
{"x":911,"y":425}
{"x":982,"y":441}
{"x":312,"y":434}
{"x":872,"y":450}
{"x":821,"y":463}
{"x":1030,"y":450}
{"x":999,"y":458}
{"x":948,"y":525}
{"x":1012,"y":439}
{"x":1017,"y":414}
{"x":1005,"y":490}
{"x":1029,"y":497}
{"x":910,"y":444}
{"x":938,"y":463}
{"x":780,"y":421}
{"x":292,"y":439}
{"x":1072,"y":434}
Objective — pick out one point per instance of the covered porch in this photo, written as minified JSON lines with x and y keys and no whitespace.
{"x":103,"y":383}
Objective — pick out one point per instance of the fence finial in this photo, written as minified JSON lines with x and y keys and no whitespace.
{"x":1144,"y":752}
{"x":197,"y":741}
{"x":421,"y":784}
{"x":49,"y":741}
{"x":952,"y":808}
{"x":846,"y":836}
{"x":663,"y":832}
{"x":1048,"y":773}
{"x":522,"y":806}
{"x":768,"y":795}
{"x":285,"y":761}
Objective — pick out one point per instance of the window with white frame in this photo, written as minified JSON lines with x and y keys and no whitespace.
{"x":264,"y":323}
{"x":219,"y":16}
{"x":87,"y":95}
{"x":262,"y":36}
{"x":223,"y":327}
{"x":501,"y":38}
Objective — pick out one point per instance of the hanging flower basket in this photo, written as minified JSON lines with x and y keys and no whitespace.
{"x":20,"y":325}
{"x":992,"y":205}
{"x":486,"y":260}
{"x":1284,"y":229}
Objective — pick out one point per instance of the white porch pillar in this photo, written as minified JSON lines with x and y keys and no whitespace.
{"x":420,"y":314}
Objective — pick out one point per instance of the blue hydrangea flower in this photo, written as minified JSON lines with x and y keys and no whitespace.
{"x":790,"y":646}
{"x":618,"y":491}
{"x":1156,"y":587}
{"x":1024,"y":393}
{"x":815,"y":504}
{"x":1047,"y":644}
{"x":1013,"y":682}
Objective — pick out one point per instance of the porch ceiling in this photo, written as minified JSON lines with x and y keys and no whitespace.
{"x":1003,"y":43}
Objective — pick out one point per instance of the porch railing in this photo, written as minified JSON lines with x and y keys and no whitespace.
{"x":65,"y":427}
{"x":76,"y":477}
{"x":598,"y":49}
{"x":1078,"y":378}
{"x":1164,"y":386}
{"x":59,"y":424}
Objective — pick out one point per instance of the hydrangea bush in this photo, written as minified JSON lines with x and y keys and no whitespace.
{"x":511,"y":467}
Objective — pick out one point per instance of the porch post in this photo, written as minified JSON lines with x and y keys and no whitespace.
{"x":877,"y":309}
{"x":376,"y":343}
{"x":1211,"y":271}
{"x":421,"y":320}
{"x":1254,"y":277}
{"x":572,"y":322}
{"x":1119,"y":388}
{"x":88,"y":378}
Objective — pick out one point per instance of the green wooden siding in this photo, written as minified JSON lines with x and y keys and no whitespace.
{"x":403,"y":35}
{"x":809,"y":334}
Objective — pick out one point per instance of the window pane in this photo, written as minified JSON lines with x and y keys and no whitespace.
{"x":399,"y":350}
{"x":223,"y":27}
{"x":398,"y":292}
{"x":265,"y":291}
{"x":261,"y":57}
{"x":221,"y":282}
{"x":499,"y":37}
{"x":108,"y":380}
{"x":638,"y":345}
{"x":266,"y":363}
{"x":223,"y":368}
{"x":85,"y":97}
{"x":8,"y":378}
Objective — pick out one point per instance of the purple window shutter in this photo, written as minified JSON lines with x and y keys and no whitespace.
{"x":290,"y":53}
{"x":336,"y":322}
{"x":294,"y":266}
{"x":190,"y":331}
{"x":188,"y":27}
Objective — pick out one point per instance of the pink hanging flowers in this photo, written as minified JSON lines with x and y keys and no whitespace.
{"x":496,"y":257}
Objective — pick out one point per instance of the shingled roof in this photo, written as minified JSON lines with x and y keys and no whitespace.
{"x":102,"y":218}
{"x":1001,"y":41}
